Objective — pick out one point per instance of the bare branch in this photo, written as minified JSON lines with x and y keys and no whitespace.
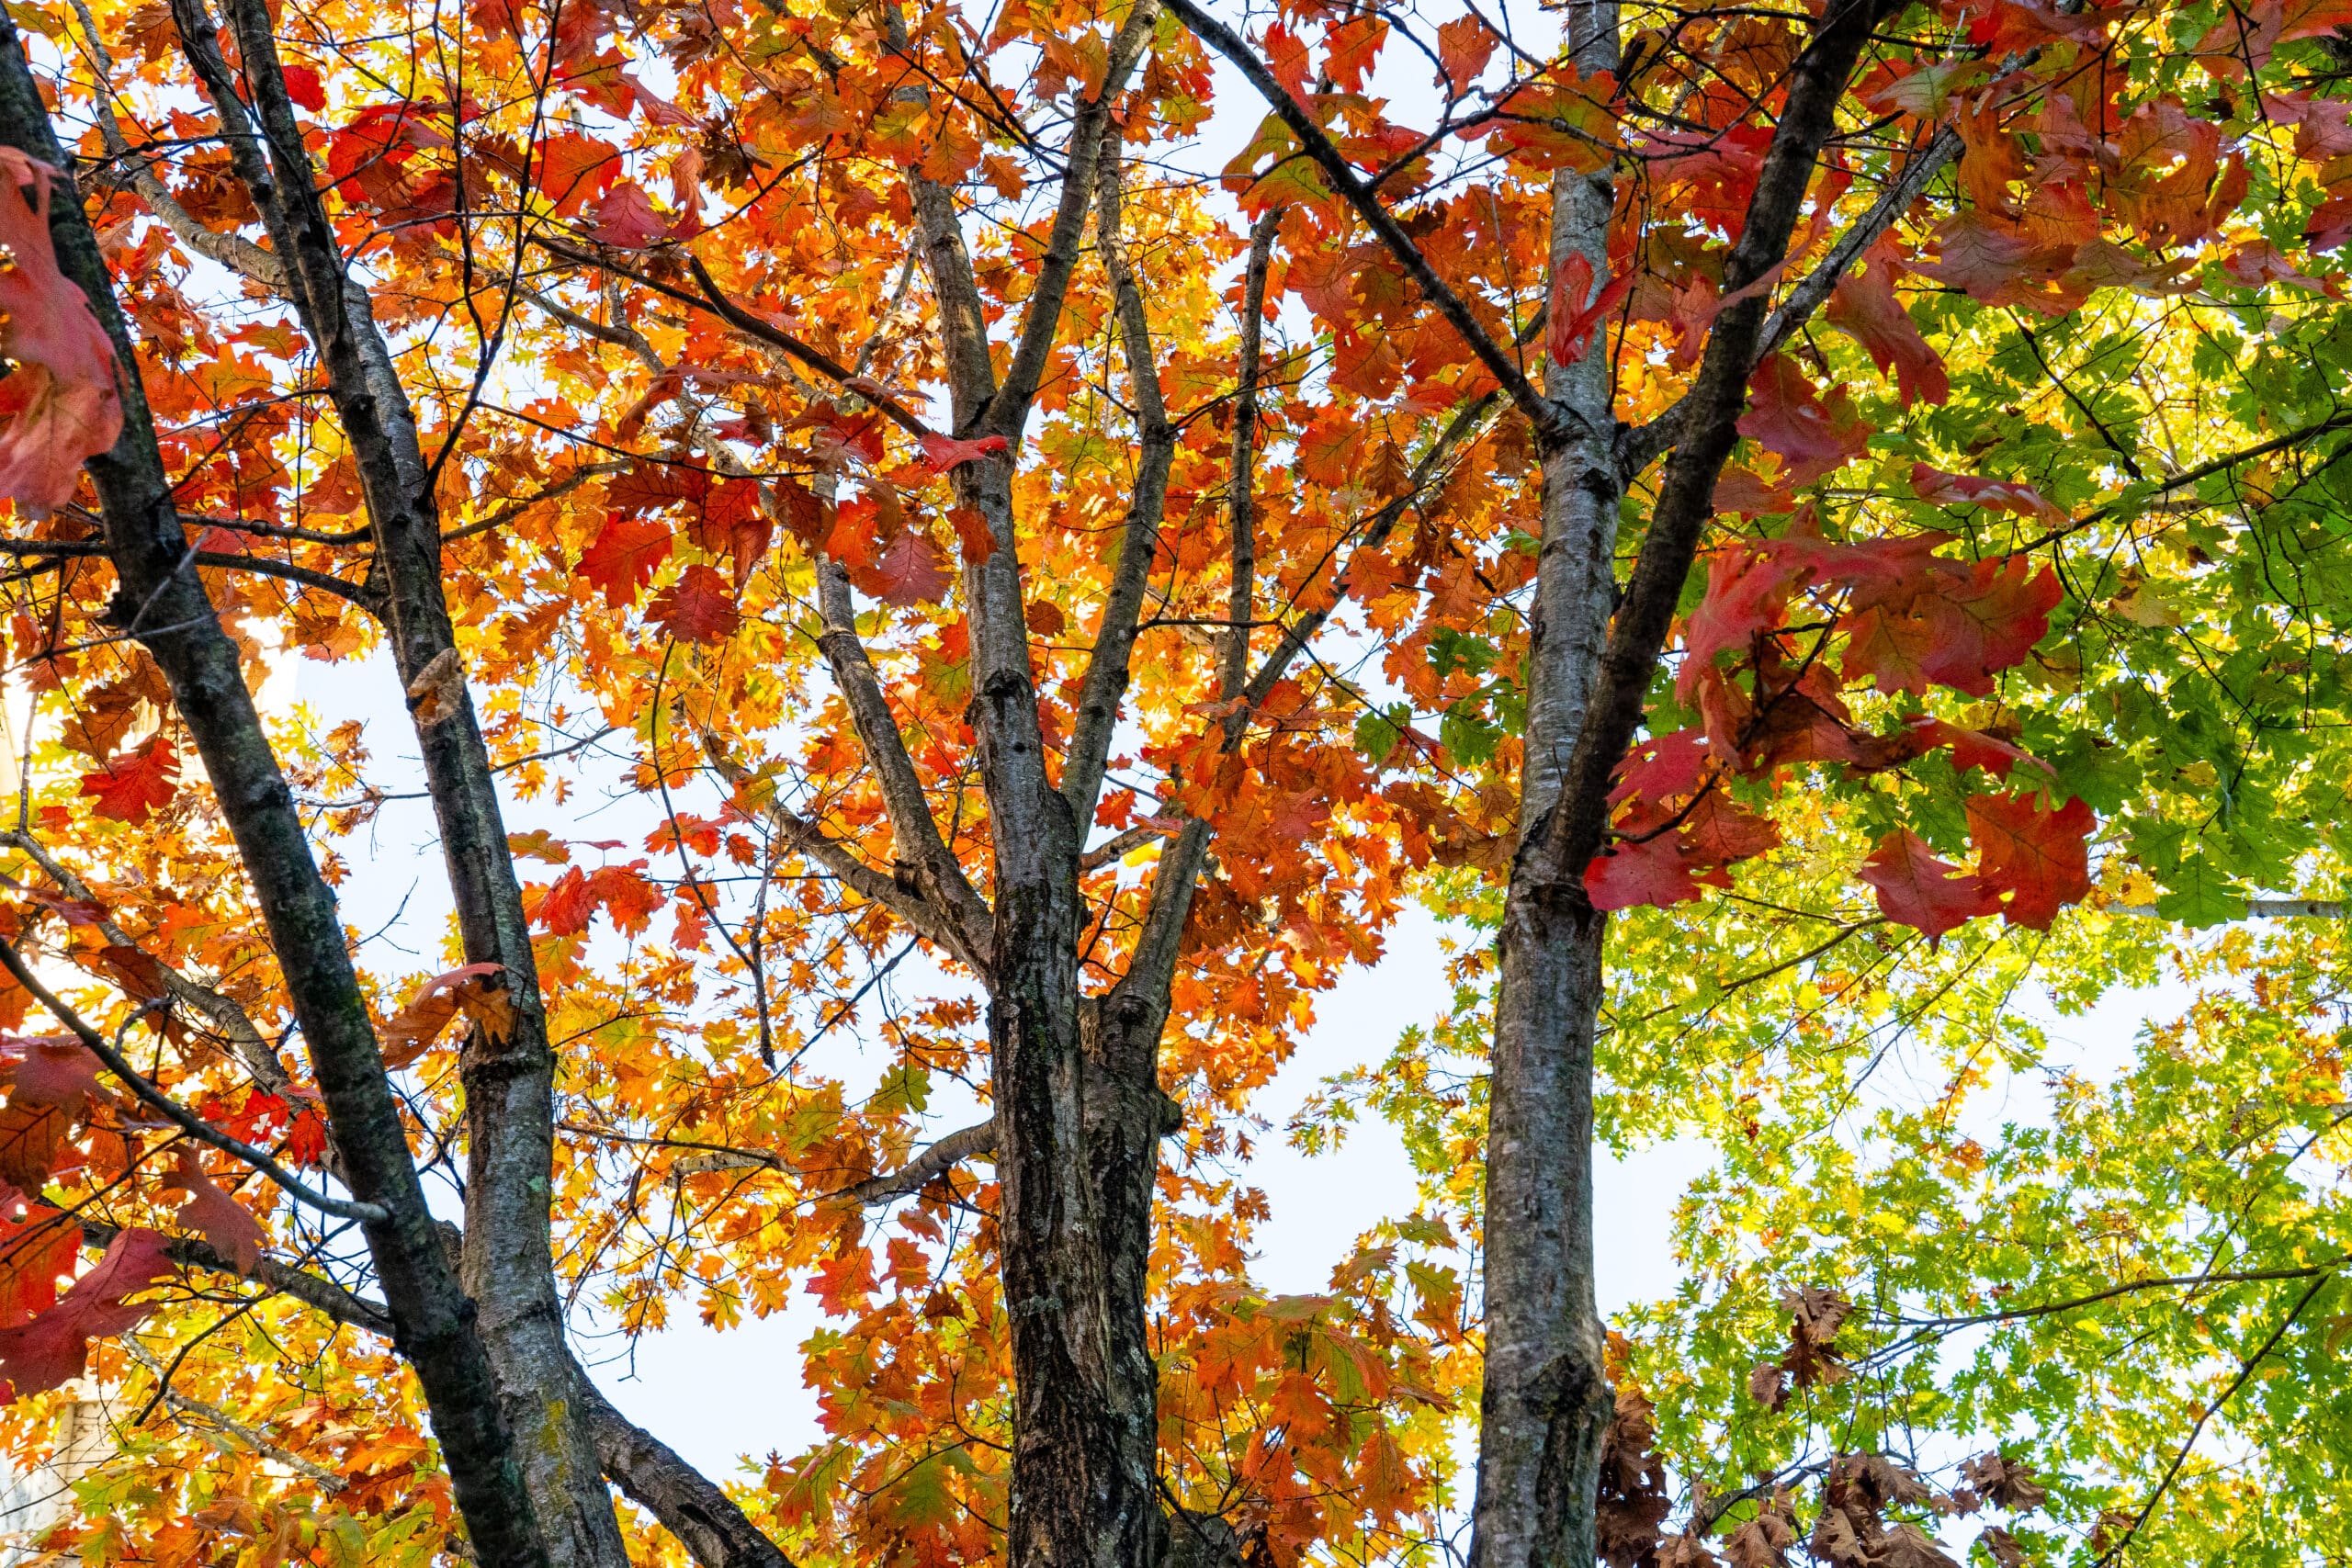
{"x":1093,"y":136}
{"x":962,"y":933}
{"x":317,"y":1474}
{"x":186,"y":1120}
{"x":943,"y":1156}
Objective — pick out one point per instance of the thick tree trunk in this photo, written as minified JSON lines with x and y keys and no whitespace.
{"x":1546,"y":1407}
{"x":164,"y":605}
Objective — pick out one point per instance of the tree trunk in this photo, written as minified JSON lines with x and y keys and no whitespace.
{"x":1544,"y":1406}
{"x":164,"y":606}
{"x":509,"y":1107}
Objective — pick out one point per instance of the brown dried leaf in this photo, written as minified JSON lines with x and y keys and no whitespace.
{"x":2008,"y":1481}
{"x":2002,"y":1546}
{"x":438,"y":688}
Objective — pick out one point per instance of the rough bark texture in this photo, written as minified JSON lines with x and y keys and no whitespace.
{"x":1075,"y":1204}
{"x":164,"y":606}
{"x":509,"y":1083}
{"x":689,"y":1504}
{"x":1545,"y":1407}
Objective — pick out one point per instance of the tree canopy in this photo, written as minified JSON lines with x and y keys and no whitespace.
{"x":1809,"y":536}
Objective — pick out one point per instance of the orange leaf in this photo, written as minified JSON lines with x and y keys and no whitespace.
{"x":624,"y":557}
{"x":136,"y":783}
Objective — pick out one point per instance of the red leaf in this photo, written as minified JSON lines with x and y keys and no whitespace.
{"x":221,"y":1219}
{"x":1970,"y":747}
{"x":1918,"y":890}
{"x":912,"y":572}
{"x":1718,"y":832}
{"x":1568,"y":330}
{"x":1968,"y":490}
{"x":1746,"y":590}
{"x":567,"y":906}
{"x":1662,"y":769}
{"x":1784,"y":416}
{"x":698,"y":607}
{"x":54,"y":1070}
{"x":1959,"y":628}
{"x":941,"y":453}
{"x":2040,"y":858}
{"x":1865,"y":307}
{"x":63,"y":394}
{"x":303,"y":86}
{"x":625,"y":217}
{"x":627,"y":897}
{"x":37,"y":1248}
{"x":1651,"y":871}
{"x":134,"y":783}
{"x":627,"y":552}
{"x":53,"y":1348}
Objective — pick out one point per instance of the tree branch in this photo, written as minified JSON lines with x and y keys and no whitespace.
{"x":925,"y":916}
{"x":317,"y":1474}
{"x":136,"y":173}
{"x":1090,"y":130}
{"x":368,"y":598}
{"x":1575,"y":825}
{"x":186,"y":1120}
{"x":1639,"y":448}
{"x":1549,"y":423}
{"x":1109,"y":664}
{"x":943,"y":1156}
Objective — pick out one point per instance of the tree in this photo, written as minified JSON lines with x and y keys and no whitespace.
{"x":917,"y":490}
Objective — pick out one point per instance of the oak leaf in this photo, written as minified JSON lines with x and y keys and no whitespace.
{"x":698,"y":607}
{"x":1786,"y":416}
{"x":624,"y":218}
{"x":1463,"y":46}
{"x":2008,"y":1481}
{"x":1920,"y":891}
{"x":2037,"y":856}
{"x":38,"y":1245}
{"x":231,"y":1228}
{"x":912,"y":572}
{"x":134,"y":784}
{"x":1864,"y":306}
{"x":623,"y":558}
{"x":60,"y":400}
{"x":53,"y":1348}
{"x":941,"y":453}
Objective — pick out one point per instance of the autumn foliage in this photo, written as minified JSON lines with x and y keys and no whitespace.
{"x":921,"y":594}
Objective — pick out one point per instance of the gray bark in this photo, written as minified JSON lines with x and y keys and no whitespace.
{"x":164,"y":606}
{"x":509,"y":1084}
